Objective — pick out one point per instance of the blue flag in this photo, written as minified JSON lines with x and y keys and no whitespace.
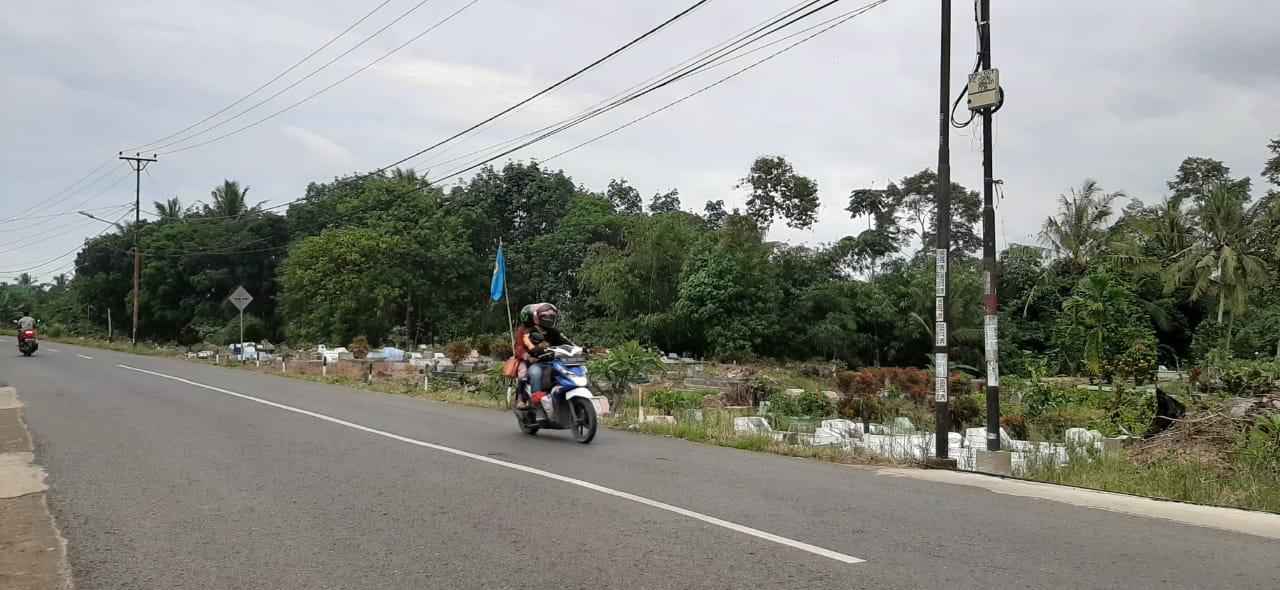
{"x":499,"y":283}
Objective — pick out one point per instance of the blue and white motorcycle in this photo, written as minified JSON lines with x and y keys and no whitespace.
{"x":569,"y":403}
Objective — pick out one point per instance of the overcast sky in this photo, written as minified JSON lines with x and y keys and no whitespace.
{"x":1118,"y":91}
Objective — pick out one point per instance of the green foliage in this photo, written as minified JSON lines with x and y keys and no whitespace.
{"x":622,"y":365}
{"x":670,"y":401}
{"x":778,"y":192}
{"x":857,"y":407}
{"x":967,"y":410}
{"x":457,"y":350}
{"x":809,"y":403}
{"x":1138,"y":364}
{"x":1052,"y":424}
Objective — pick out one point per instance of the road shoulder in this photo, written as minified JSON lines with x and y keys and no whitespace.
{"x":33,"y":554}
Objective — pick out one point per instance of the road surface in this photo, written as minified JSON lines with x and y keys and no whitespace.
{"x":167,"y":474}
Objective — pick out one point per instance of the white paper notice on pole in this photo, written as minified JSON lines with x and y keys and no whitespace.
{"x":937,"y":309}
{"x":940,"y":286}
{"x":940,"y":334}
{"x":993,"y":374}
{"x":941,"y":371}
{"x":240,"y":298}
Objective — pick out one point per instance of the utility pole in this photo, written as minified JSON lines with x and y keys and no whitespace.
{"x":941,"y":313}
{"x":138,"y":164}
{"x":986,"y":97}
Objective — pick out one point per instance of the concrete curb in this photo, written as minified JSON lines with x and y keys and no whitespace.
{"x":33,"y":553}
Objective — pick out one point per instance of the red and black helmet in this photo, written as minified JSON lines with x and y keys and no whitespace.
{"x":545,"y":315}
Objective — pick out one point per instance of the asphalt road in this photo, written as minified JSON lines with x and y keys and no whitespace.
{"x":229,"y":479}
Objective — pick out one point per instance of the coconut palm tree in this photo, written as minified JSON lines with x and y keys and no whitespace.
{"x":230,"y":200}
{"x":1221,"y":259}
{"x":170,"y":209}
{"x":1080,"y":233}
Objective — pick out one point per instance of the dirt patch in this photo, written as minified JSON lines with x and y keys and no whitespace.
{"x":13,"y":434}
{"x":1209,"y":438}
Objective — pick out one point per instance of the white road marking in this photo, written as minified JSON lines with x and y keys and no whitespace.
{"x":85,"y":357}
{"x":746,"y":530}
{"x":52,"y":350}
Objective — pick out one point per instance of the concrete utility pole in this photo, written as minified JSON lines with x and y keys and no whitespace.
{"x":941,"y":313}
{"x":986,"y":97}
{"x":138,"y":164}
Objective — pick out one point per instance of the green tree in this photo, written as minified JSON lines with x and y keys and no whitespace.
{"x":1100,"y":321}
{"x":778,"y":192}
{"x":668,"y":202}
{"x":1196,"y":178}
{"x":625,"y":198}
{"x":170,"y":209}
{"x":1220,"y":261}
{"x":230,"y":200}
{"x":1080,"y":234}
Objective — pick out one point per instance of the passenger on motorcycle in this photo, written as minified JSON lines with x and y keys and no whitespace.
{"x":537,"y":333}
{"x":25,"y":323}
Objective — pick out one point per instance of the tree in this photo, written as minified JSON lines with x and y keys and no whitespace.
{"x":778,"y":192}
{"x":625,"y":198}
{"x":667,"y":202}
{"x":916,"y":197}
{"x":1100,"y":322}
{"x":715,"y":214}
{"x":1196,"y":178}
{"x":170,"y":209}
{"x":1220,"y":260}
{"x":26,"y":280}
{"x":1080,"y":232}
{"x":230,"y":200}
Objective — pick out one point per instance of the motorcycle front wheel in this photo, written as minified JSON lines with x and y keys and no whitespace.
{"x":584,"y":420}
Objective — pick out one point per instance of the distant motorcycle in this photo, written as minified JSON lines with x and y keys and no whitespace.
{"x":27,"y":343}
{"x":569,"y":403}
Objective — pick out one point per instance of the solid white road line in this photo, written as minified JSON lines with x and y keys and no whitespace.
{"x":85,"y":357}
{"x":746,"y":530}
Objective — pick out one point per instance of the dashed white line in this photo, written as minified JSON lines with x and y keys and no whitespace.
{"x":53,"y":350}
{"x":85,"y":357}
{"x":746,"y":530}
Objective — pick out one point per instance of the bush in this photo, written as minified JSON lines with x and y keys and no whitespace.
{"x":457,"y":350}
{"x":809,"y":403}
{"x":1017,"y":426}
{"x":967,"y":410}
{"x":862,"y":382}
{"x":1053,"y":423}
{"x":670,"y":401}
{"x":857,"y":407}
{"x":763,"y":389}
{"x":1139,"y":363}
{"x":359,"y":347}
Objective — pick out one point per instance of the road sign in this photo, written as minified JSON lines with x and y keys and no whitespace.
{"x":240,"y":298}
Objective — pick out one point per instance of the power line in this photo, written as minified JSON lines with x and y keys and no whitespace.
{"x":841,"y":19}
{"x":64,"y":254}
{"x":48,"y":235}
{"x":82,"y":203}
{"x":146,"y":146}
{"x":718,"y":56}
{"x":63,"y":214}
{"x":834,"y":22}
{"x":535,"y":96}
{"x":64,"y":190}
{"x":751,"y":30}
{"x":304,"y":78}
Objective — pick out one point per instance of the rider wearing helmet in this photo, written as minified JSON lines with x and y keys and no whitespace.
{"x":26,"y":322}
{"x":537,"y":333}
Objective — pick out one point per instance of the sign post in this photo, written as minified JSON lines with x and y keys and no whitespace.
{"x":241,"y":298}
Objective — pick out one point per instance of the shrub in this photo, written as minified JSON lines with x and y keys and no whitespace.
{"x":861,"y":382}
{"x":1054,"y":423}
{"x":1017,"y":426}
{"x":857,"y":407}
{"x":763,"y":389}
{"x":809,"y":403}
{"x":457,"y":350}
{"x":669,"y":401}
{"x":966,"y":410}
{"x":623,"y":365}
{"x":359,"y":347}
{"x":1139,"y":363}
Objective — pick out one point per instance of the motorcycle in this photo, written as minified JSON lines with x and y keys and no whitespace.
{"x":27,"y":343}
{"x":569,"y":404}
